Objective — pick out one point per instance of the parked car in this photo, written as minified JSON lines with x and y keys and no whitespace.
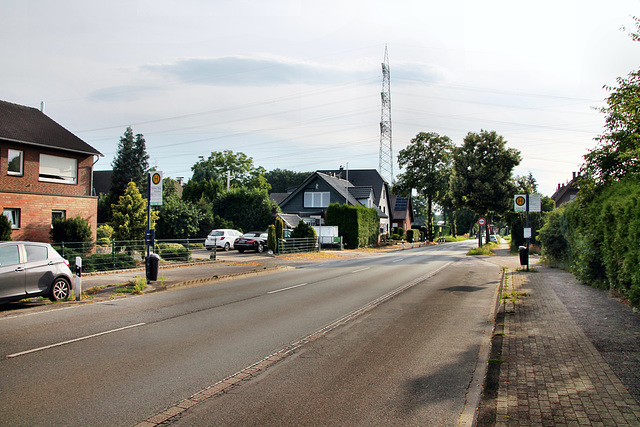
{"x":222,"y":238}
{"x":30,"y":269}
{"x":253,"y":241}
{"x":494,"y":238}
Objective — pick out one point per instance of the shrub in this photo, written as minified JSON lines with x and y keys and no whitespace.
{"x":104,"y":262}
{"x":5,"y":229}
{"x":76,"y":230}
{"x":272,"y":241}
{"x":104,"y":232}
{"x":173,"y":252}
{"x":358,"y":225}
{"x":303,"y":230}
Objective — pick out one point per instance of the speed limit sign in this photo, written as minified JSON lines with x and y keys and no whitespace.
{"x":482,"y":221}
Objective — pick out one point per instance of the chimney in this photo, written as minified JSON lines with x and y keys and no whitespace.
{"x":574,"y":175}
{"x":42,"y":107}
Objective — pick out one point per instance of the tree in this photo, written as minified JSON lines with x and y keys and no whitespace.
{"x":130,"y":215}
{"x":281,"y":180}
{"x":482,"y":169}
{"x":131,"y":164}
{"x":178,"y":219}
{"x":238,"y":167}
{"x":427,"y":164}
{"x":618,"y":153}
{"x":206,"y":189}
{"x":249,"y":209}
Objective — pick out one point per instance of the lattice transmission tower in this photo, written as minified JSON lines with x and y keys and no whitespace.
{"x":386,"y":148}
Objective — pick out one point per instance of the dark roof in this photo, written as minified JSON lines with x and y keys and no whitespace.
{"x":290,"y":220}
{"x":29,"y":125}
{"x":360,"y":192}
{"x":278,"y":197}
{"x":361,"y":178}
{"x":340,"y":186}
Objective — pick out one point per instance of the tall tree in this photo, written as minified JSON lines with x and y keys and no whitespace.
{"x":427,"y":164}
{"x":130,"y":215}
{"x":237,"y":167}
{"x":131,"y":164}
{"x":482,"y":174}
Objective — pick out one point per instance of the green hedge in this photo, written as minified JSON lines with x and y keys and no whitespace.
{"x":359,"y":226}
{"x":599,"y":240}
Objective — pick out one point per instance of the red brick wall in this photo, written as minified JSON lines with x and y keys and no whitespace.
{"x":35,"y":213}
{"x":29,"y":181}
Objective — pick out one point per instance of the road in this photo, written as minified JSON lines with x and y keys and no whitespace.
{"x":123,"y":361}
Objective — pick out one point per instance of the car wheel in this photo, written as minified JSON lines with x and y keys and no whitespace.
{"x":260,"y":248}
{"x":60,"y":289}
{"x":227,"y":247}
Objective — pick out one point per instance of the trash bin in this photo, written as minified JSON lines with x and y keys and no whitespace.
{"x":152,"y":267}
{"x":523,"y":251}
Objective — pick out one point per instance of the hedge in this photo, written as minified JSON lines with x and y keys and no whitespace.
{"x":359,"y":226}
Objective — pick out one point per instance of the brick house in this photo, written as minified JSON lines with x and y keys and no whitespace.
{"x":45,"y":172}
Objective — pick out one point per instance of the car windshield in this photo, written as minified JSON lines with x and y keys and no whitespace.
{"x":216,"y":233}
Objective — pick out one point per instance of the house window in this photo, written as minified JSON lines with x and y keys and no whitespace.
{"x":58,"y":169}
{"x":58,"y":215}
{"x":14,"y":217}
{"x":316,"y":199}
{"x":16,"y":162}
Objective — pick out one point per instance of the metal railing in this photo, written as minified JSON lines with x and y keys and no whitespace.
{"x":291,"y":245}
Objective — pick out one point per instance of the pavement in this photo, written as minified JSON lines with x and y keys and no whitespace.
{"x":568,"y":354}
{"x":562,"y":353}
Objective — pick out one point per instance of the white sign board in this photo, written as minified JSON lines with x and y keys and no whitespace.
{"x":520,"y":203}
{"x":527,"y":233}
{"x":155,"y":188}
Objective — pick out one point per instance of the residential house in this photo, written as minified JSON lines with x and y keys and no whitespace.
{"x":567,"y":192}
{"x":45,"y":173}
{"x":402,"y":214}
{"x":363,"y":187}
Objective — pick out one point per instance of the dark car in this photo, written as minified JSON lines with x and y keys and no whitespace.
{"x":253,"y":241}
{"x":30,"y":269}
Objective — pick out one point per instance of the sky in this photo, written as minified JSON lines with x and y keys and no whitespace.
{"x":296,"y":84}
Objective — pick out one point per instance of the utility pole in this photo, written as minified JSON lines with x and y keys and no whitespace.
{"x":386,"y":149}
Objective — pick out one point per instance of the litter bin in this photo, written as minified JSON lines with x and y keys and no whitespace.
{"x":152,"y":267}
{"x":523,"y":251}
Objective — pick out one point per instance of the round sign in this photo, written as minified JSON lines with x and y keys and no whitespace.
{"x":520,"y":201}
{"x":155,"y":178}
{"x":482,"y":221}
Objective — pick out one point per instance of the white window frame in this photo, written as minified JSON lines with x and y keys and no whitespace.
{"x":58,"y":213}
{"x":317,"y":199}
{"x":14,"y":217}
{"x":12,"y":154}
{"x":63,"y":170}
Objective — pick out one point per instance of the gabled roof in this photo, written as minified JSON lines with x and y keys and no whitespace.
{"x":29,"y":125}
{"x":340,"y":186}
{"x":290,"y":220}
{"x":361,"y":192}
{"x":401,"y":205}
{"x":361,"y":178}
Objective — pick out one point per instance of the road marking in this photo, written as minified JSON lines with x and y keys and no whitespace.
{"x":397,"y":260}
{"x":362,"y":269}
{"x":22,"y":353}
{"x":286,"y":289}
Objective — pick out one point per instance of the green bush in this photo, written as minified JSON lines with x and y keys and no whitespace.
{"x":5,"y":229}
{"x":103,"y":241}
{"x":272,"y":241}
{"x":104,"y":232}
{"x":76,"y":230}
{"x":173,"y":252}
{"x":359,"y":226}
{"x":303,"y":231}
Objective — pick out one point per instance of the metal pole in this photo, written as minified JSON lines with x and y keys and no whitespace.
{"x":528,"y":238}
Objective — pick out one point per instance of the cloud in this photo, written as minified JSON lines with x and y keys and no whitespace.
{"x":267,"y":71}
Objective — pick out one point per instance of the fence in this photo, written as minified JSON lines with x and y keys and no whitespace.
{"x":122,"y":255}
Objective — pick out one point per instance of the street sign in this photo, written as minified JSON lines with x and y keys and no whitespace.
{"x":520,"y":203}
{"x":482,"y":221}
{"x":155,"y":188}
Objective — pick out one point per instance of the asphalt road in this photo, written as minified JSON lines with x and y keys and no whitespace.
{"x":122,"y":361}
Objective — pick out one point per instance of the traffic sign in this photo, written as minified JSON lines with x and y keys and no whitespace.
{"x":155,"y":188}
{"x":482,"y":221}
{"x":520,"y":203}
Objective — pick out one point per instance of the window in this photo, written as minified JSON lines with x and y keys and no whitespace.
{"x":36,"y":253}
{"x":58,"y":215}
{"x":9,"y":255}
{"x":14,"y":217}
{"x":58,"y":169}
{"x":16,"y":162}
{"x":316,"y":199}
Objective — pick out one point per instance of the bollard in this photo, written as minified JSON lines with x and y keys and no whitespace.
{"x":78,"y":278}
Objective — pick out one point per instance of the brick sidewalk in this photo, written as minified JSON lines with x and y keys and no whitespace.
{"x":552,"y":374}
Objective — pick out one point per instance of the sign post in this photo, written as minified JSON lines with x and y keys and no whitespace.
{"x":527,"y":203}
{"x":481,"y":222}
{"x":154,"y":197}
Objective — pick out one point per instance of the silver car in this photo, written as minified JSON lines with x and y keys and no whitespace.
{"x":30,"y":269}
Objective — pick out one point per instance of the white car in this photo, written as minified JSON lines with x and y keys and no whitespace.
{"x":221,"y":238}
